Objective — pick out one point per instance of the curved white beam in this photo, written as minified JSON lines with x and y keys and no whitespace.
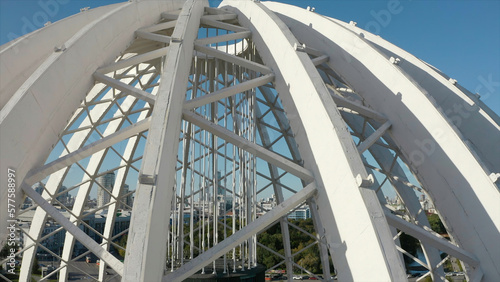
{"x":385,"y":159}
{"x":56,"y":179}
{"x":51,"y":104}
{"x":444,"y":148}
{"x":117,"y":192}
{"x":97,"y":156}
{"x":327,"y":149}
{"x":75,"y":231}
{"x":36,"y":46}
{"x":149,"y":229}
{"x":460,"y":189}
{"x":471,"y":117}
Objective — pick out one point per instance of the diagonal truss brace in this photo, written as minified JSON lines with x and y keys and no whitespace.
{"x":222,"y":25}
{"x":250,"y":147}
{"x":153,"y":36}
{"x":138,"y":93}
{"x":319,"y":60}
{"x":362,"y":110}
{"x":228,"y":91}
{"x":87,"y":151}
{"x":134,"y":60}
{"x":172,"y":15}
{"x":428,"y":238}
{"x":243,"y":234}
{"x":223,"y":38}
{"x":221,"y":17}
{"x":83,"y":238}
{"x":374,"y":137}
{"x":233,"y":59}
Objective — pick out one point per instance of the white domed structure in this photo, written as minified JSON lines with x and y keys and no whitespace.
{"x":200,"y":112}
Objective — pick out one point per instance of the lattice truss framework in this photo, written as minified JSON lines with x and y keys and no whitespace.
{"x":233,"y":146}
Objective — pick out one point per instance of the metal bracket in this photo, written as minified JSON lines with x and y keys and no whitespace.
{"x":394,"y":61}
{"x":62,"y":48}
{"x":494,"y":177}
{"x":365,"y":182}
{"x":147,"y":179}
{"x":176,"y":40}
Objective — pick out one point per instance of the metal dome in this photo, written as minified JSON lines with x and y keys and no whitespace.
{"x":203,"y":111}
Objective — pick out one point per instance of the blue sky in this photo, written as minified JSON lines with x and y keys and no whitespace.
{"x":461,"y":38}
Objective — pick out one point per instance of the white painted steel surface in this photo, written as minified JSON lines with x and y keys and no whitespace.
{"x":435,"y":151}
{"x":148,"y":230}
{"x":51,"y":104}
{"x":327,"y":150}
{"x":195,"y":104}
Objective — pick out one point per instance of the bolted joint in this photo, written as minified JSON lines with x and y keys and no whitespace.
{"x":299,"y":47}
{"x":365,"y":182}
{"x":175,"y":40}
{"x":61,"y":48}
{"x":494,"y":177}
{"x":394,"y":61}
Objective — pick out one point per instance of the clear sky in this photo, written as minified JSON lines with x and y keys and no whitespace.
{"x":459,"y":37}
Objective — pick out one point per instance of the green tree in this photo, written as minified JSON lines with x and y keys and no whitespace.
{"x":36,"y":267}
{"x":272,"y":238}
{"x":436,"y":224}
{"x":409,"y":244}
{"x":4,"y":252}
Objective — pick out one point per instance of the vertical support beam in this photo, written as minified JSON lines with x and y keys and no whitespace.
{"x":186,"y":145}
{"x":112,"y":136}
{"x":149,"y":227}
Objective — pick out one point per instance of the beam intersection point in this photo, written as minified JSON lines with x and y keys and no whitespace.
{"x":196,"y":141}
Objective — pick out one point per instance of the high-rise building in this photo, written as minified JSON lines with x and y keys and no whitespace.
{"x":39,"y":188}
{"x":300,"y":213}
{"x":127,"y":201}
{"x":63,"y":198}
{"x":107,"y":182}
{"x":221,"y":191}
